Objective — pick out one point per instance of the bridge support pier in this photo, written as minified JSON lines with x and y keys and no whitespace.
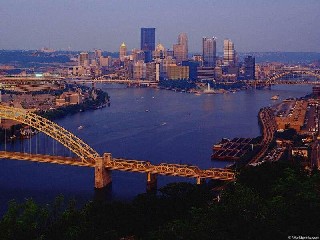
{"x":151,"y":181}
{"x":200,"y":180}
{"x":102,"y":176}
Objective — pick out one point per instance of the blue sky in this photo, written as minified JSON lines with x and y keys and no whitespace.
{"x":253,"y":25}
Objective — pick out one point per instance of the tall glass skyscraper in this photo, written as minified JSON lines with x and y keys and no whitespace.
{"x":148,"y":40}
{"x":209,"y":52}
{"x":249,"y":64}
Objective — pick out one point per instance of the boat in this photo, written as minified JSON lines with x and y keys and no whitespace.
{"x":209,"y":90}
{"x":275,"y":97}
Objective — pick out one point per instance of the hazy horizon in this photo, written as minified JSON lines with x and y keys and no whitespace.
{"x":78,"y":25}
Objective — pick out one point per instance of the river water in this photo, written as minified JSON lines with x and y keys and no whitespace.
{"x":144,"y":124}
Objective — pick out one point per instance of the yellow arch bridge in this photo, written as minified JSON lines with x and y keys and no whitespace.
{"x":86,"y":156}
{"x":277,"y":78}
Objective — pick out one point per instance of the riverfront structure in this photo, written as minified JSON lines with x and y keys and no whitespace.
{"x":209,"y":52}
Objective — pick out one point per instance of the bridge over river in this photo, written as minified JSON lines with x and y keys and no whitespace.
{"x":88,"y":157}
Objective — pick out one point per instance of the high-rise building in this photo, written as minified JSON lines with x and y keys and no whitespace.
{"x":249,"y":68}
{"x":122,"y":51}
{"x":193,"y":66}
{"x":148,"y":39}
{"x":84,"y":59}
{"x":160,"y":52}
{"x":209,"y":52}
{"x":228,"y":53}
{"x":139,"y":70}
{"x":180,"y":50}
{"x":153,"y":71}
{"x":97,"y":56}
{"x":97,"y":53}
{"x":148,"y":42}
{"x":175,"y":72}
{"x":178,"y":53}
{"x":137,"y":55}
{"x":183,"y":40}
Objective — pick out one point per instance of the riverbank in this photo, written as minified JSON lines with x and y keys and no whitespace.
{"x":201,"y":87}
{"x":125,"y":129}
{"x":100,"y":100}
{"x":96,"y":99}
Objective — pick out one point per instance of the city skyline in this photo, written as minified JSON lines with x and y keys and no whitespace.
{"x":79,"y":25}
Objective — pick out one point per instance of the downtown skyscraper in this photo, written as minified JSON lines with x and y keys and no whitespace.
{"x":148,"y":41}
{"x":122,"y":51}
{"x":180,"y":50}
{"x":228,"y":53}
{"x":209,"y":51}
{"x":249,"y":64}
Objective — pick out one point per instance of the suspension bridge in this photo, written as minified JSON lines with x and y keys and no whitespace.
{"x":88,"y":157}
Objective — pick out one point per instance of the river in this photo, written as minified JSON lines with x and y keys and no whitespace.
{"x":144,"y":124}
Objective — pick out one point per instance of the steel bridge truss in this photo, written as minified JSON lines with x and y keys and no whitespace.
{"x":67,"y":139}
{"x":87,"y":156}
{"x":273,"y":79}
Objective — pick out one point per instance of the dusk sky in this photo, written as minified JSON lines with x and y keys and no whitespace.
{"x":253,"y":25}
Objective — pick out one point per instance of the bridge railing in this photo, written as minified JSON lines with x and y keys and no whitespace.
{"x":215,"y":173}
{"x":128,"y":165}
{"x":176,"y":169}
{"x":182,"y":170}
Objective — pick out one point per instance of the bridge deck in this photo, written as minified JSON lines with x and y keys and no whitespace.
{"x":121,"y":164}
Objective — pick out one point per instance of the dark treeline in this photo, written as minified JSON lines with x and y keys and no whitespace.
{"x":271,"y":201}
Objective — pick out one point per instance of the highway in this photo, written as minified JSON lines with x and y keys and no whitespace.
{"x":269,"y":126}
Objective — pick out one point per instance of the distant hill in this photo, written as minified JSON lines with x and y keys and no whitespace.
{"x":36,"y":58}
{"x":18,"y":56}
{"x":284,"y":57}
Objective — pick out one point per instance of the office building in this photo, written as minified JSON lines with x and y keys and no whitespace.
{"x":168,"y":61}
{"x":175,"y":72}
{"x":137,"y":55}
{"x":205,"y":73}
{"x":153,"y":71}
{"x":228,"y":53}
{"x":97,"y":53}
{"x":249,"y":68}
{"x":180,"y":50}
{"x":148,"y":42}
{"x":139,"y":70}
{"x":122,"y":51}
{"x":193,"y":66}
{"x":84,"y":59}
{"x":160,"y":52}
{"x":209,"y":52}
